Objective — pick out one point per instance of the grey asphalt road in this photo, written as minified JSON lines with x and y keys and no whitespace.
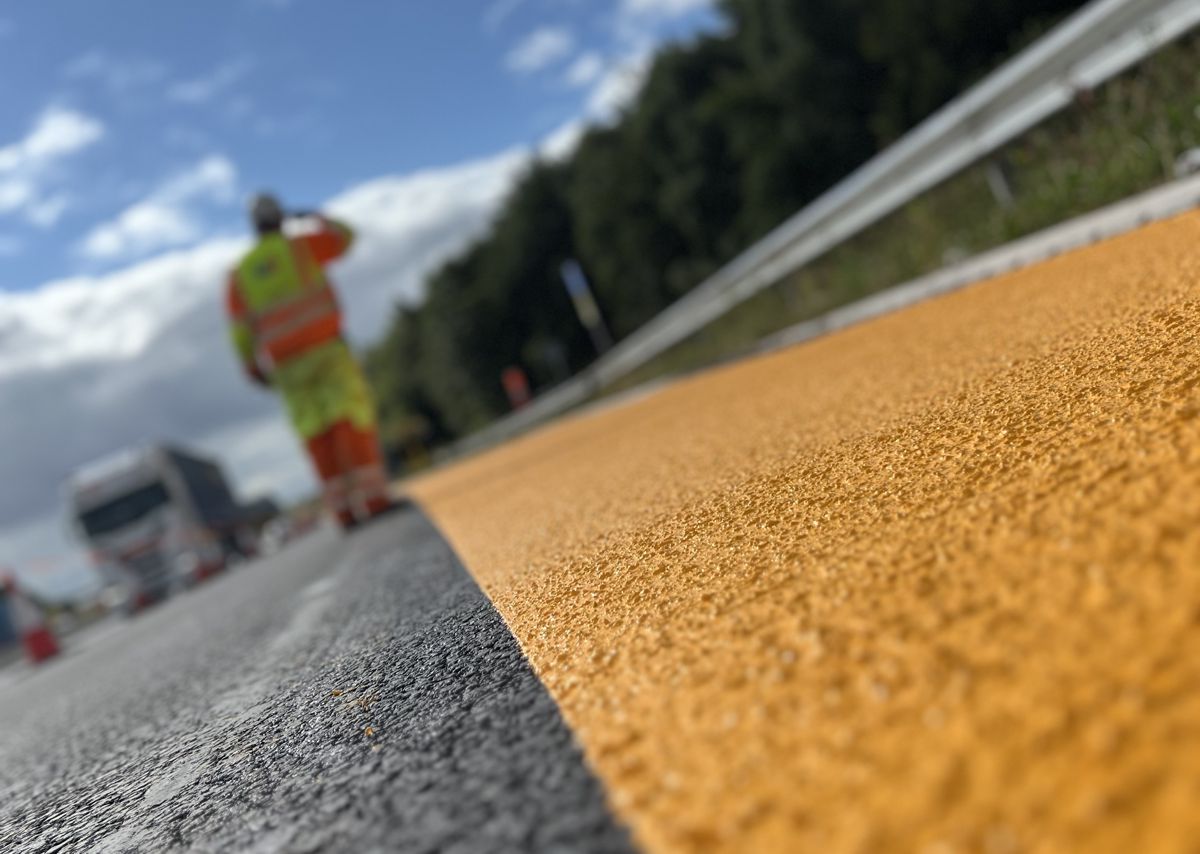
{"x":347,"y":694}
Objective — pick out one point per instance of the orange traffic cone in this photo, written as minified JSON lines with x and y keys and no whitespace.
{"x":30,"y":624}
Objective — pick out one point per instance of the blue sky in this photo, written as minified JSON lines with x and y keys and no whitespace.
{"x":309,"y":96}
{"x":131,"y":132}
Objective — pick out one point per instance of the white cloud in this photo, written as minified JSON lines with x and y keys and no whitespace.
{"x":29,"y":164}
{"x":140,"y":229}
{"x":57,"y":133}
{"x":409,"y":224}
{"x":642,"y":24}
{"x":214,"y":177}
{"x":15,"y":193}
{"x":221,"y":79}
{"x":94,"y":363}
{"x":164,"y":218}
{"x":618,"y":86}
{"x":118,"y":75}
{"x":585,"y":70}
{"x":46,"y":212}
{"x":539,"y":49}
{"x":561,"y":142}
{"x":663,"y":8}
{"x":640,"y":28}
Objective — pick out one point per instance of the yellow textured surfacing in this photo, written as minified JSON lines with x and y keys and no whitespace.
{"x":932,"y":583}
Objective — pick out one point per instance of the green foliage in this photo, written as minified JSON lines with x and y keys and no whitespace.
{"x":498,"y":304}
{"x":1118,"y":141}
{"x":730,"y":134}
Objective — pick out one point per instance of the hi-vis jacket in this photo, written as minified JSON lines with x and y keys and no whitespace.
{"x":286,"y":324}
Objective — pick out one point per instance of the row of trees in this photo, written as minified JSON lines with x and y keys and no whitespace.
{"x":730,"y":134}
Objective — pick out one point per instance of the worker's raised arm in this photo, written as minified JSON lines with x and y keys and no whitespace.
{"x":332,"y":241}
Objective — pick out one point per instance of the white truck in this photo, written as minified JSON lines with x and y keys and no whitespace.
{"x":156,"y":519}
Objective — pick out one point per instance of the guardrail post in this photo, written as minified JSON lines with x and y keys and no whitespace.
{"x":999,"y":184}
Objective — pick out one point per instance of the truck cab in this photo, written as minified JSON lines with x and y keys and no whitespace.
{"x":156,"y":519}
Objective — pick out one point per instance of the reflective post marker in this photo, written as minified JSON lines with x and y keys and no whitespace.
{"x":516,"y":386}
{"x":585,"y":305}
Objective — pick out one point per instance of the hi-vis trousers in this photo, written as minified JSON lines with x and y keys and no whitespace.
{"x":348,"y":460}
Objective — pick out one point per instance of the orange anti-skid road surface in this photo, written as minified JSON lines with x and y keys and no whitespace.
{"x":929,"y":584}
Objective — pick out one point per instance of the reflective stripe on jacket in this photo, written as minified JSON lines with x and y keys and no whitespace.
{"x":295,"y":325}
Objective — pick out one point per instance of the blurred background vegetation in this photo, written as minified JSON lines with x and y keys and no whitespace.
{"x":730,"y":135}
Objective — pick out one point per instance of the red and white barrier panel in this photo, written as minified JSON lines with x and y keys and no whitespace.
{"x":30,"y":623}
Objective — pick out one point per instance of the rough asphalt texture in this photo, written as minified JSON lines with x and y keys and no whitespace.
{"x":344,"y":695}
{"x":929,"y":584}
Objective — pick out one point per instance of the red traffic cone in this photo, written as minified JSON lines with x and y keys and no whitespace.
{"x":30,"y":623}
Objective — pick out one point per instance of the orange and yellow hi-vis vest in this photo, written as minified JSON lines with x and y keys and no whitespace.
{"x":286,"y":323}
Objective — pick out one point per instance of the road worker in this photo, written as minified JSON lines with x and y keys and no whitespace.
{"x":287,"y":330}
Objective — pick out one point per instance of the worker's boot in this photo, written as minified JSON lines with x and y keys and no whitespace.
{"x":377,"y":508}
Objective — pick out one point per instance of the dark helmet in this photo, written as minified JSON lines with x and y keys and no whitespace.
{"x":266,"y":214}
